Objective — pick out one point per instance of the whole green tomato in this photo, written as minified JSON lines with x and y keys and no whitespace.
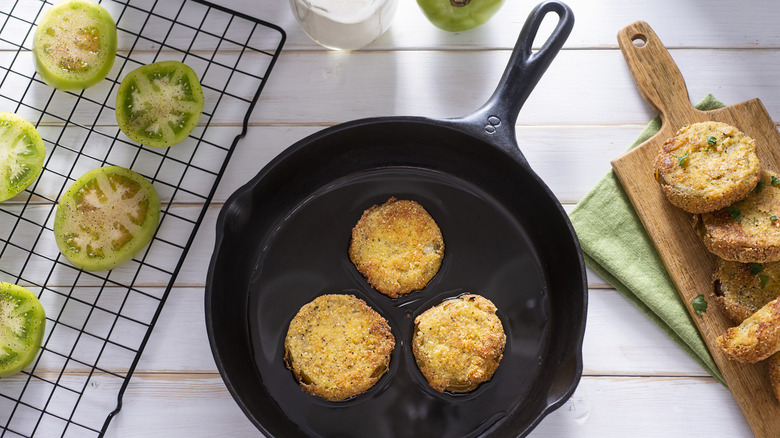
{"x":459,"y":15}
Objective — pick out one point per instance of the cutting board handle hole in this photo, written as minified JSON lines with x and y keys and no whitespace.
{"x":639,"y":40}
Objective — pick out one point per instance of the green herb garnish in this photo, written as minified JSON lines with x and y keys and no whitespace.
{"x":699,"y":304}
{"x":711,"y":140}
{"x":763,"y":279}
{"x":760,"y":186}
{"x":755,"y":268}
{"x":735,"y":213}
{"x":775,"y":181}
{"x":772,"y":218}
{"x":682,"y":159}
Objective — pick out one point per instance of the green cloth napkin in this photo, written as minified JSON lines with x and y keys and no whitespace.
{"x":616,"y":246}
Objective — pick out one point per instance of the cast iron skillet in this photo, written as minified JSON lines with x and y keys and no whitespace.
{"x":282,"y":240}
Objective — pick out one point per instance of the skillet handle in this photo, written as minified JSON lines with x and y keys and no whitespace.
{"x":495,"y":120}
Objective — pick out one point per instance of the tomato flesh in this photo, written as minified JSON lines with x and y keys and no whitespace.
{"x":21,"y":155}
{"x":106,"y":218}
{"x":75,"y":45}
{"x":159,"y":104}
{"x":459,"y":15}
{"x":22,"y":324}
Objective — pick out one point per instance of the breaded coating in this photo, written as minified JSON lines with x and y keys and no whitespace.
{"x":756,"y":338}
{"x":707,"y":166}
{"x":749,"y":230}
{"x":743,"y":288}
{"x":459,"y":343}
{"x":397,"y":246}
{"x":337,"y":346}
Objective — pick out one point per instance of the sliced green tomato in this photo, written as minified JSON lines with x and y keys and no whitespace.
{"x":74,"y":45}
{"x":22,"y":323}
{"x":21,"y":155}
{"x":159,"y":104}
{"x":106,"y":218}
{"x":459,"y":15}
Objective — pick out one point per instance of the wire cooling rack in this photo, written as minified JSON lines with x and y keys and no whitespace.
{"x":99,"y":323}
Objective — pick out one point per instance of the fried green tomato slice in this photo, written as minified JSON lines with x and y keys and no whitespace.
{"x":21,"y":155}
{"x":741,"y":289}
{"x":22,"y":323}
{"x":756,"y":338}
{"x":397,"y":246}
{"x":159,"y":104}
{"x":747,"y":231}
{"x":707,"y":166}
{"x":459,"y":343}
{"x":106,"y":218}
{"x":338,"y":347}
{"x":74,"y":45}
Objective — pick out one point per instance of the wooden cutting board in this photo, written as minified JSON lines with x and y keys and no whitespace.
{"x":688,"y":262}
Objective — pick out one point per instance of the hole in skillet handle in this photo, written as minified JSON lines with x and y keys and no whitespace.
{"x":639,"y":40}
{"x":495,"y":120}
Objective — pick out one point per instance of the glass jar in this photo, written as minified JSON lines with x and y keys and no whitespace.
{"x":344,"y":24}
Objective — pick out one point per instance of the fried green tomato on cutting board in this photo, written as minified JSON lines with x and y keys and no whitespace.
{"x":746,"y":231}
{"x":707,"y":166}
{"x":756,"y":338}
{"x":741,"y":289}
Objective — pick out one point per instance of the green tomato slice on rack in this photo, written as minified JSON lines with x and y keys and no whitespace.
{"x":21,"y":155}
{"x":74,"y":45}
{"x":159,"y":104}
{"x":106,"y":218}
{"x":459,"y":15}
{"x":22,"y":323}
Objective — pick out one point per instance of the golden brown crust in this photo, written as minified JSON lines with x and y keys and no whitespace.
{"x":337,"y":347}
{"x":459,"y":343}
{"x":707,"y":166}
{"x":742,"y":288}
{"x":749,"y":230}
{"x":756,"y":338}
{"x":397,"y":246}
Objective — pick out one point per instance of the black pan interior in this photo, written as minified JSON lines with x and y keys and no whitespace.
{"x":284,"y":242}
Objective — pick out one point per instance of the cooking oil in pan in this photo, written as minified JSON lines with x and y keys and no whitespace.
{"x":487,"y":251}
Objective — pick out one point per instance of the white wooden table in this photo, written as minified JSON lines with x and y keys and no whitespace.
{"x":584,"y":112}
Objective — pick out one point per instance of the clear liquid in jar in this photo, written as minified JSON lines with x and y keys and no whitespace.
{"x":344,"y":24}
